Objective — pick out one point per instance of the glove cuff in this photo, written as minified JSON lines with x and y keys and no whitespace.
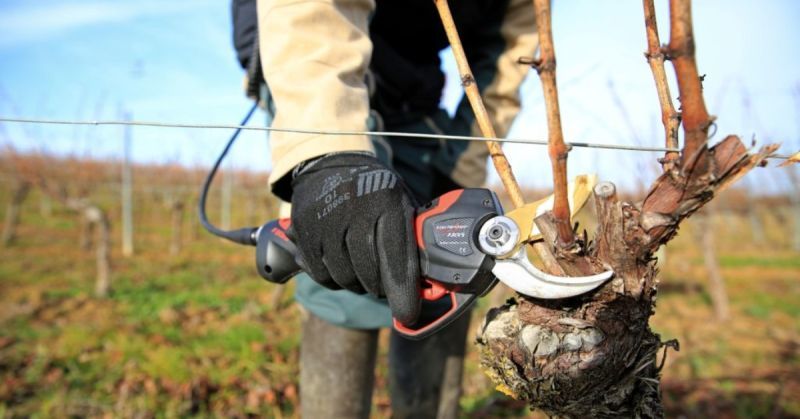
{"x":283,"y":188}
{"x":308,"y":164}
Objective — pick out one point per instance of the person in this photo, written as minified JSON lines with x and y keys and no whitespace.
{"x":357,"y":65}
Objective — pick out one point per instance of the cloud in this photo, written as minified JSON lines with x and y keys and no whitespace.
{"x":32,"y":22}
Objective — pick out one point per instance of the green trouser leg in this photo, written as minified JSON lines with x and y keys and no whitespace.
{"x":336,"y":370}
{"x":425,"y":376}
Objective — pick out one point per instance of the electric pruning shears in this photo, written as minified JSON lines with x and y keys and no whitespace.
{"x":466,"y":244}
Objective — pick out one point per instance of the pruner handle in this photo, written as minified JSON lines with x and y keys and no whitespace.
{"x":276,"y":254}
{"x":455,"y":271}
{"x":440,"y":307}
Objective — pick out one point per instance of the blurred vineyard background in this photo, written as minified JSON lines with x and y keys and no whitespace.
{"x":180,"y":324}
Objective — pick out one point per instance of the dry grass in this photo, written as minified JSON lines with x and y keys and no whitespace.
{"x":195,"y":334}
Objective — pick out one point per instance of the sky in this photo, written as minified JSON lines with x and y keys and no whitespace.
{"x":174,"y":61}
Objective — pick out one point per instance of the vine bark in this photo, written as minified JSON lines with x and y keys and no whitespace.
{"x":595,"y":355}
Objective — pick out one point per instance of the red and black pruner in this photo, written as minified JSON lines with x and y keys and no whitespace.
{"x":466,"y":244}
{"x":455,"y":272}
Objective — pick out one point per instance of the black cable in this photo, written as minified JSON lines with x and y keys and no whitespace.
{"x":245,"y":235}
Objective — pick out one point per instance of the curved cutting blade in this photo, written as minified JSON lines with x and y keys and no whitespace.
{"x":519,"y":273}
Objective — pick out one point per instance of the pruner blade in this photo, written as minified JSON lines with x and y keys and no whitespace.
{"x":519,"y":273}
{"x":505,"y":237}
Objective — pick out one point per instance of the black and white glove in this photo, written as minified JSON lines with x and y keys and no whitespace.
{"x":353,"y":224}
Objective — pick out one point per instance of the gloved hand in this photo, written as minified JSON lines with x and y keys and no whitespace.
{"x":352,"y":222}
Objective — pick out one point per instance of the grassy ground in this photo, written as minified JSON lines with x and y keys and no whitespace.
{"x":201,"y":334}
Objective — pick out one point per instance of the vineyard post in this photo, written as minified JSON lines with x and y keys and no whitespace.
{"x":18,"y":194}
{"x":716,"y":283}
{"x":95,"y":215}
{"x":176,"y":241}
{"x":127,"y":192}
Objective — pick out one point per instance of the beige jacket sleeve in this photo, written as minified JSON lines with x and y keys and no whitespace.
{"x":501,"y":97}
{"x":314,"y":55}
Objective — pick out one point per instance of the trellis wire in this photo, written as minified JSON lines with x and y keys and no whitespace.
{"x":581,"y":144}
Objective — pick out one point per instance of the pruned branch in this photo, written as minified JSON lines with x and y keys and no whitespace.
{"x":556,"y":148}
{"x":474,"y":96}
{"x":499,"y":160}
{"x":694,"y":115}
{"x":655,"y":57}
